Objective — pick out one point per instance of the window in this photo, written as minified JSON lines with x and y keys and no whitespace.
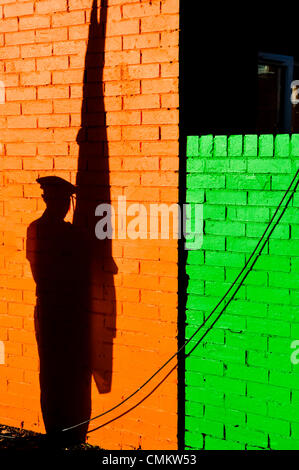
{"x":275,"y":75}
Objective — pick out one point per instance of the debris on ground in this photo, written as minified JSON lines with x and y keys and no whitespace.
{"x":16,"y":439}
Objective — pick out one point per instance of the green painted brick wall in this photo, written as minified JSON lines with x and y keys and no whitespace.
{"x":242,"y":390}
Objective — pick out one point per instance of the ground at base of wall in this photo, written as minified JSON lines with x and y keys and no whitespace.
{"x":16,"y":439}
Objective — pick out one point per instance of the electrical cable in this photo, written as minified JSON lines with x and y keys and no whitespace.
{"x":224,"y":308}
{"x":239,"y":286}
{"x":198,"y":329}
{"x":215,"y":308}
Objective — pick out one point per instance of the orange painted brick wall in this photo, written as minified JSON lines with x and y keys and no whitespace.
{"x":42,"y":60}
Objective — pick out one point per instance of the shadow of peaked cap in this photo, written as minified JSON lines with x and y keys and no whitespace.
{"x":52,"y":185}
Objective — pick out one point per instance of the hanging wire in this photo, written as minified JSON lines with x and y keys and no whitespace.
{"x":211,"y":313}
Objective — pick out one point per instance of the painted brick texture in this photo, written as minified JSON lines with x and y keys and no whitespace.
{"x":241,"y":386}
{"x":135,"y":107}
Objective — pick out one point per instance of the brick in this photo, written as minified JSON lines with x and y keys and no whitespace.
{"x":124,"y":179}
{"x":161,"y":85}
{"x":20,"y":94}
{"x":279,"y":443}
{"x":53,"y":149}
{"x":67,"y":77}
{"x":37,"y":50}
{"x":51,"y":35}
{"x":65,"y":163}
{"x":34,"y":22}
{"x":113,"y":58}
{"x":266,"y":165}
{"x":65,"y":134}
{"x":39,"y":163}
{"x":158,"y":268}
{"x":161,"y":116}
{"x":21,"y":122}
{"x":113,"y":44}
{"x":159,"y":179}
{"x":51,"y":92}
{"x":247,"y":436}
{"x":141,"y":194}
{"x":265,"y":144}
{"x":205,"y":426}
{"x":122,"y":88}
{"x":12,"y":164}
{"x":112,"y":73}
{"x":53,"y":121}
{"x":170,"y":70}
{"x":233,"y":417}
{"x":284,"y":247}
{"x":159,"y":55}
{"x":169,"y":163}
{"x":79,"y":32}
{"x":206,"y":366}
{"x":257,"y":229}
{"x":35,"y":78}
{"x":225,"y":259}
{"x":159,"y":23}
{"x":78,"y":4}
{"x":284,"y":279}
{"x":160,"y":148}
{"x":142,"y":282}
{"x":170,"y":6}
{"x":141,"y":71}
{"x":68,"y":18}
{"x":20,"y":37}
{"x":8,"y":25}
{"x":10,"y":52}
{"x":10,"y":109}
{"x":23,"y":65}
{"x":21,"y":336}
{"x":220,"y":444}
{"x":170,"y":101}
{"x":141,"y":10}
{"x":283,"y":412}
{"x":139,"y":41}
{"x":49,"y":6}
{"x":28,"y":135}
{"x":123,"y":118}
{"x":264,"y":326}
{"x":169,"y":132}
{"x":144,"y":164}
{"x":248,"y":182}
{"x":37,"y":107}
{"x":122,"y":27}
{"x":169,"y":38}
{"x":140,"y":133}
{"x":244,"y":214}
{"x":11,"y":80}
{"x":21,"y":9}
{"x":205,"y":181}
{"x":68,"y":47}
{"x":142,"y":102}
{"x":257,"y":374}
{"x":192,"y":147}
{"x":52,"y":63}
{"x":282,"y":146}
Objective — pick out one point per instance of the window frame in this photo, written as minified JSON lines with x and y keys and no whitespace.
{"x":287,"y":62}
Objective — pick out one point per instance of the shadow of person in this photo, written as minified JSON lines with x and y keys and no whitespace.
{"x":75,"y":315}
{"x":57,"y":252}
{"x":93,"y":188}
